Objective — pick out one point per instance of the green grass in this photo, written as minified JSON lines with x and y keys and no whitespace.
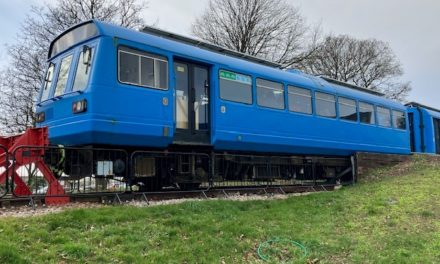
{"x":394,"y":219}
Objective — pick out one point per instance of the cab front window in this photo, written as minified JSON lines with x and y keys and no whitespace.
{"x":83,"y":70}
{"x":48,"y":82}
{"x":63,"y":75}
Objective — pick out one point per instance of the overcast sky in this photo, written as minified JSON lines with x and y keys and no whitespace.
{"x":411,"y":27}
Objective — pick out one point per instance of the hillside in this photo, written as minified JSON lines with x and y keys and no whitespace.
{"x":391,"y":217}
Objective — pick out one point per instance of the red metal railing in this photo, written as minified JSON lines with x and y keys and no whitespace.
{"x":13,"y":144}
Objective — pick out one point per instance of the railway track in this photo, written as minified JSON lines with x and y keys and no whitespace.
{"x":35,"y":201}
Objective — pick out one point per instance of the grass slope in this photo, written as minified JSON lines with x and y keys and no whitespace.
{"x":381,"y":220}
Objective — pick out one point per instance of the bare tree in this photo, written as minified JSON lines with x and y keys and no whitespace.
{"x":21,"y":80}
{"x":368,"y":63}
{"x":270,"y":29}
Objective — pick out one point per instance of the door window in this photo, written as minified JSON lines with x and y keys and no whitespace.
{"x":192,"y":102}
{"x":201,"y":99}
{"x":182,"y":95}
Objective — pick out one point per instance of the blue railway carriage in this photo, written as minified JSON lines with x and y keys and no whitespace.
{"x":424,"y":124}
{"x":110,"y":86}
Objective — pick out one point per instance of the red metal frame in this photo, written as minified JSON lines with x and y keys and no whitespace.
{"x":35,"y":137}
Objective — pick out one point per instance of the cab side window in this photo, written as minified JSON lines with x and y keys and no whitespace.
{"x":142,"y":69}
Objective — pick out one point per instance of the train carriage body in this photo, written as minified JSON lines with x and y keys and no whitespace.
{"x":111,"y":86}
{"x":424,"y":128}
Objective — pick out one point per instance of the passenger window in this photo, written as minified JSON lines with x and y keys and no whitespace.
{"x":147,"y":72}
{"x":347,"y":109}
{"x":399,"y":119}
{"x":270,"y":94}
{"x":384,"y":116}
{"x":300,"y":100}
{"x":48,"y":82}
{"x":129,"y":68}
{"x":63,"y":75}
{"x":366,"y":113}
{"x":83,"y":70}
{"x":143,"y":69}
{"x":325,"y":104}
{"x":235,"y":87}
{"x":161,"y":73}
